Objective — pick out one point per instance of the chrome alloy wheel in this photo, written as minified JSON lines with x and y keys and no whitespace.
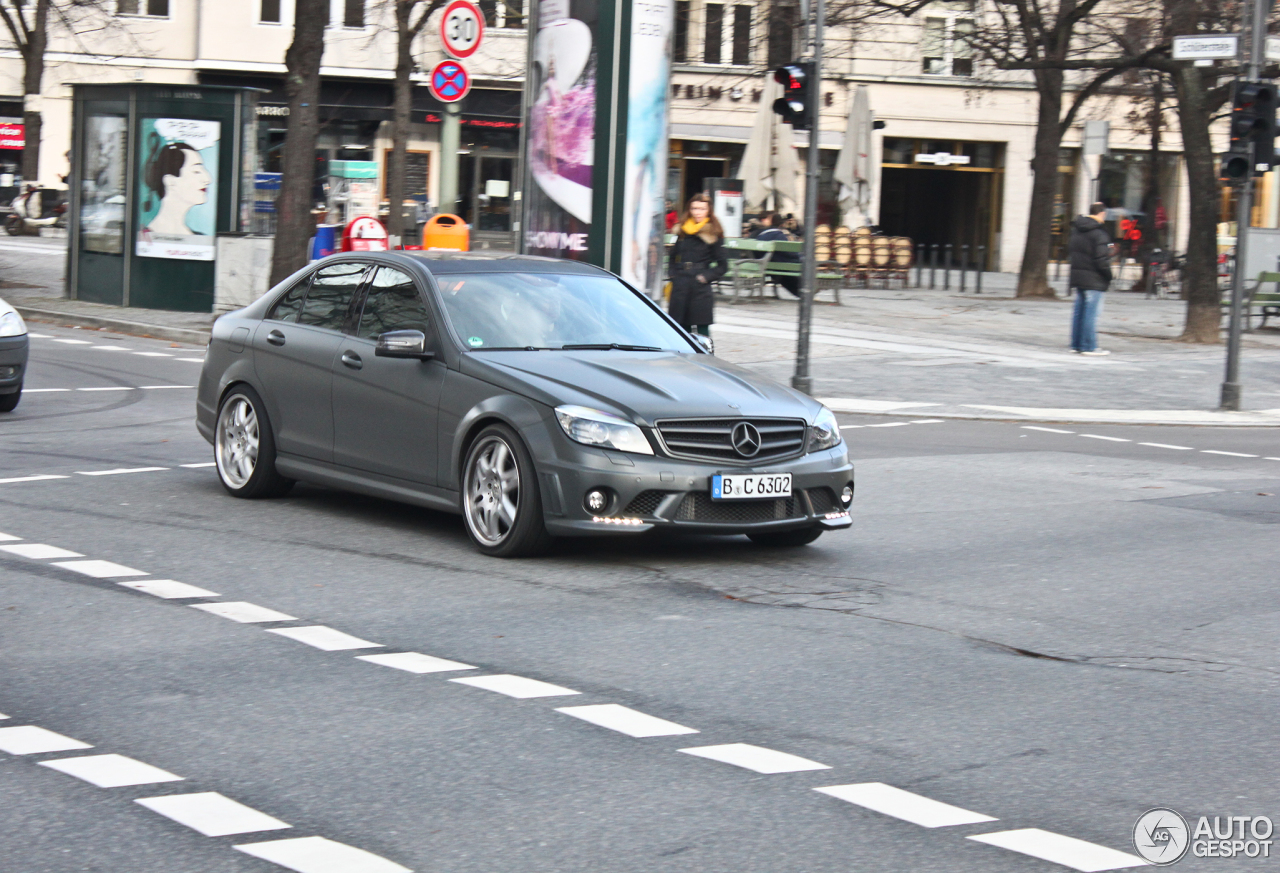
{"x":236,"y":441}
{"x":492,"y":491}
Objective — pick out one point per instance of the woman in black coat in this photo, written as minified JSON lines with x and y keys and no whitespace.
{"x":697,"y":260}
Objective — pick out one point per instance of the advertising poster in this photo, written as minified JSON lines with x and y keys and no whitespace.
{"x":178,"y":188}
{"x":645,"y":169}
{"x":103,"y":185}
{"x":560,"y":141}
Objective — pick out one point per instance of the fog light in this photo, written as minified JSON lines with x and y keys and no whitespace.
{"x":8,"y":372}
{"x":596,"y":500}
{"x":846,"y":496}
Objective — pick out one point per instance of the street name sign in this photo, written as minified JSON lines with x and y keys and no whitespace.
{"x":1206,"y":48}
{"x":461,"y":29}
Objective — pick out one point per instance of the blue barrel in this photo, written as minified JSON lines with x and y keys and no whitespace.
{"x":325,"y":242}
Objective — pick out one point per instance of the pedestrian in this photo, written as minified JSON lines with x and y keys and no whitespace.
{"x":770,"y":231}
{"x":1090,"y":249}
{"x":697,"y":260}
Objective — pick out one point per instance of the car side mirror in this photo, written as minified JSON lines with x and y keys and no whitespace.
{"x":705,"y":341}
{"x":403,"y":344}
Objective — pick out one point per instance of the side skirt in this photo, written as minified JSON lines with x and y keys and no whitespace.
{"x":350,"y":480}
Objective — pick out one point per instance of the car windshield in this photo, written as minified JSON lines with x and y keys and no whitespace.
{"x":506,"y":311}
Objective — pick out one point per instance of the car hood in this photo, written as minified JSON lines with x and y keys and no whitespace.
{"x":643,"y":386}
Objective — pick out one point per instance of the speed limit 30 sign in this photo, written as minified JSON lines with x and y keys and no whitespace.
{"x":461,"y":28}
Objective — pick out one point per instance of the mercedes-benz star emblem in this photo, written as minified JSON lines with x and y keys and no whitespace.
{"x":746,"y":439}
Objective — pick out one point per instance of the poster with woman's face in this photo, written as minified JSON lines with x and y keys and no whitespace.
{"x":178,"y":188}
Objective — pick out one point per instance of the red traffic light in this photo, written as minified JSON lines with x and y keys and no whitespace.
{"x":798,"y":93}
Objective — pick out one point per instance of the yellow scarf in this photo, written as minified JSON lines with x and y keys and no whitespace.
{"x":691,"y":227}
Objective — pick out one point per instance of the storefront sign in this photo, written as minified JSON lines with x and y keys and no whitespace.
{"x":942,"y":159}
{"x":178,"y":188}
{"x":12,"y":136}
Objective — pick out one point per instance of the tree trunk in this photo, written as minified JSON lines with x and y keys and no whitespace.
{"x":32,"y":79}
{"x":402,"y":105}
{"x":1200,"y":273}
{"x":1033,"y":276}
{"x":294,"y":225}
{"x":1151,"y":196}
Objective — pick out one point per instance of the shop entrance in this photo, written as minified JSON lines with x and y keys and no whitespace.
{"x":484,"y":198}
{"x":696,"y":173}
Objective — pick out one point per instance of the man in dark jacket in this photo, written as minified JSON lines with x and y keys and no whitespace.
{"x":1090,"y":250}
{"x":771,"y":231}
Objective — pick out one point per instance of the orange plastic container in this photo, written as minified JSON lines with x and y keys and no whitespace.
{"x":446,"y":233}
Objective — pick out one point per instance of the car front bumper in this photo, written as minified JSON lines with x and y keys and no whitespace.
{"x":13,"y":362}
{"x":653,"y":492}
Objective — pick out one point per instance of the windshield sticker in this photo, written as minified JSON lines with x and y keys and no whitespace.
{"x":475,"y":342}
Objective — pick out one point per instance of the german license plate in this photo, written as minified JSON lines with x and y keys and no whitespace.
{"x":750,"y":486}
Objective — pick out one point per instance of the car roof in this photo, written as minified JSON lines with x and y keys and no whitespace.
{"x":446,"y":263}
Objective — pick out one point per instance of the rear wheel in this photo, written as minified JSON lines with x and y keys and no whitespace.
{"x":244,"y":447}
{"x":501,"y":503}
{"x":9,"y":402}
{"x":13,"y":225}
{"x":786,"y":538}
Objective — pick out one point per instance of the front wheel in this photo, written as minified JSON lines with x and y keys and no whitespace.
{"x":13,"y":225}
{"x":244,"y":447}
{"x":501,"y":503}
{"x":787,"y":538}
{"x":9,"y":402}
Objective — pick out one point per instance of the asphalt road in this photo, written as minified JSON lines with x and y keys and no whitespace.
{"x":1050,"y":629}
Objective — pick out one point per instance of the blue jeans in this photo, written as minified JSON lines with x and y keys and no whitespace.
{"x":1084,"y":320}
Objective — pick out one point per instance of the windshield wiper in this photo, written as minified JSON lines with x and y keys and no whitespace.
{"x":622,"y":347}
{"x":512,"y":349}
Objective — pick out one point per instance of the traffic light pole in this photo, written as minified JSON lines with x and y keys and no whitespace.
{"x":802,"y":381}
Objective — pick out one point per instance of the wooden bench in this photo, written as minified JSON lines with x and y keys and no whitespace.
{"x":753,"y":267}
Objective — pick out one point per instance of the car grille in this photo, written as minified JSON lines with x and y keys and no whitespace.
{"x":711,"y":439}
{"x":823,"y":501}
{"x":645,"y":503}
{"x":698,"y":506}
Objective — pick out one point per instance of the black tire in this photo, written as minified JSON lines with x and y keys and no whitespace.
{"x":244,"y":447}
{"x":787,"y":538}
{"x":500,"y":498}
{"x":9,"y":402}
{"x":13,"y":225}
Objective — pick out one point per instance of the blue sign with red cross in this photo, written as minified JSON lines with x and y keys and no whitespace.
{"x":449,"y":81}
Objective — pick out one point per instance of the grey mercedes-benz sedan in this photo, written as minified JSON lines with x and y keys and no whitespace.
{"x":535,"y":397}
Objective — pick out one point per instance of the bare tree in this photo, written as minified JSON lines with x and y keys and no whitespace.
{"x":28,"y":27}
{"x":302,"y":88}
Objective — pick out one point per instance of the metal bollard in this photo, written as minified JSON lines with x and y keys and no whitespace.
{"x":933,"y":264}
{"x":982,"y":265}
{"x":946,"y":267}
{"x":919,"y":263}
{"x":964,"y":265}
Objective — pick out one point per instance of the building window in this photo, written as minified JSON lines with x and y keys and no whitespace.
{"x":353,"y":13}
{"x":680,"y":40}
{"x":503,"y":13}
{"x":154,"y":8}
{"x":269,"y":12}
{"x":784,"y":23}
{"x":713,"y":38}
{"x":946,"y":47}
{"x":741,"y":35}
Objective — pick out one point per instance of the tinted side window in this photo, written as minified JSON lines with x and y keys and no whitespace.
{"x":393,"y":303}
{"x":330,"y":296}
{"x":286,"y":309}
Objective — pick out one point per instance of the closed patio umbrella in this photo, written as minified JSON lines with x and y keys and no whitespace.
{"x":769,"y":165}
{"x":853,"y":168}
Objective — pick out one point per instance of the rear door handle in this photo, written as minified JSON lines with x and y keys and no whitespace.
{"x":352,"y":360}
{"x":276,"y":338}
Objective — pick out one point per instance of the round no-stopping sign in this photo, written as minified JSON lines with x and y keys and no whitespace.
{"x":449,"y":82}
{"x":461,"y":28}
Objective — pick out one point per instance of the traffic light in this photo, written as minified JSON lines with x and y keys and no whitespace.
{"x":798,"y":102}
{"x":1253,"y":120}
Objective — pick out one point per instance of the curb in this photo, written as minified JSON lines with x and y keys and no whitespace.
{"x":1153,"y":417}
{"x":133,"y":328}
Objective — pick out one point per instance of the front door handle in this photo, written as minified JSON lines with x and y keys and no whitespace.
{"x":352,"y":360}
{"x":276,"y":338}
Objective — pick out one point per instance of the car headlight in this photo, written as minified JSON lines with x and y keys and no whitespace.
{"x":11,"y":324}
{"x":595,"y":428}
{"x":825,"y":431}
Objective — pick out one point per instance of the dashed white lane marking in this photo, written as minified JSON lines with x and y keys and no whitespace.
{"x":8,"y":538}
{"x":111,"y":771}
{"x":1067,"y":851}
{"x":852,"y":426}
{"x":627,"y":721}
{"x":901,"y":804}
{"x":415,"y":662}
{"x":100,"y":569}
{"x":3,"y":716}
{"x":32,"y":740}
{"x":891,"y":424}
{"x":245,"y":613}
{"x":325,"y":638}
{"x":201,"y":464}
{"x":756,"y":758}
{"x":515,"y":686}
{"x":30,"y":479}
{"x":1228,"y":454}
{"x":39,"y":551}
{"x":191,"y":360}
{"x":154,"y":354}
{"x":168,"y":589}
{"x":320,"y":855}
{"x":1045,"y":429}
{"x":1167,"y":446}
{"x":113,"y":348}
{"x":212,"y":814}
{"x":74,"y":342}
{"x":43,"y":390}
{"x":108,"y":388}
{"x":1098,"y":436}
{"x":155,"y":387}
{"x":40,"y":335}
{"x":928,"y":421}
{"x":1271,"y":459}
{"x":119,"y":471}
